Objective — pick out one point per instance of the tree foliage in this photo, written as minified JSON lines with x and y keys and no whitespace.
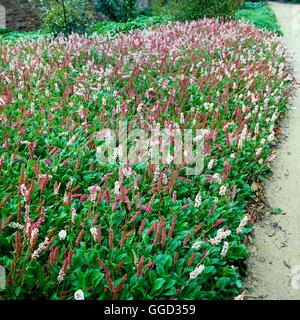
{"x":64,"y":16}
{"x":117,"y":10}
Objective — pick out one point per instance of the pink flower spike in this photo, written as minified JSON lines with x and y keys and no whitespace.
{"x":233,"y":192}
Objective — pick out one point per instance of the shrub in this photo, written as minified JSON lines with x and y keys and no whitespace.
{"x":117,"y":10}
{"x":64,"y":16}
{"x":159,"y":7}
{"x":4,"y":32}
{"x":184,"y":10}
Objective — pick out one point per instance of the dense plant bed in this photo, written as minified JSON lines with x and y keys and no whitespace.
{"x":142,"y":231}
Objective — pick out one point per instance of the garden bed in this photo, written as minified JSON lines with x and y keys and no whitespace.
{"x":142,"y":231}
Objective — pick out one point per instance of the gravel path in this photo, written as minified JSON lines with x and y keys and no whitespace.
{"x":274,"y":263}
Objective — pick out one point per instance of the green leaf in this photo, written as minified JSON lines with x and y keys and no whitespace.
{"x":158,"y":285}
{"x":160,"y":270}
{"x":171,"y":292}
{"x":222,"y":282}
{"x":277,"y":211}
{"x":152,"y":276}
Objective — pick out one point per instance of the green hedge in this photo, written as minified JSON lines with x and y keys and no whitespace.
{"x":185,"y":10}
{"x":262,"y":17}
{"x":255,"y":5}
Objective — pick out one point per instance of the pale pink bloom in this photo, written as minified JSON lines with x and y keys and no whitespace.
{"x":225,"y":249}
{"x":197,"y":244}
{"x":16,"y":225}
{"x":271,"y":137}
{"x":198,"y":270}
{"x":94,"y":233}
{"x":258,"y":152}
{"x":61,"y":276}
{"x":93,"y":193}
{"x":156,"y":173}
{"x":242,"y":224}
{"x":41,"y":247}
{"x":275,"y":116}
{"x":81,"y":113}
{"x":169,"y":159}
{"x":271,"y":158}
{"x":66,"y":199}
{"x":164,"y":179}
{"x":211,"y":164}
{"x":74,"y":214}
{"x":222,"y":191}
{"x":117,"y":187}
{"x":243,"y":137}
{"x":256,"y":130}
{"x":42,"y":177}
{"x":174,"y":196}
{"x":217,"y":177}
{"x":262,"y":141}
{"x":128,"y":172}
{"x":139,"y":108}
{"x":34,"y":234}
{"x":24,"y":192}
{"x":72,"y":140}
{"x":181,"y":118}
{"x":27,"y":218}
{"x":198,"y":200}
{"x":56,"y":188}
{"x":1,"y":161}
{"x":69,"y":184}
{"x":221,"y":234}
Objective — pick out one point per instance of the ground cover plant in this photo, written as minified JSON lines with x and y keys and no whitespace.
{"x":261,"y":15}
{"x":13,"y":36}
{"x":71,"y":226}
{"x":139,"y":23}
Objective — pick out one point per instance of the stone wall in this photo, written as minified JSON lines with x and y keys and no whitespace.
{"x":2,"y":18}
{"x":19,"y":15}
